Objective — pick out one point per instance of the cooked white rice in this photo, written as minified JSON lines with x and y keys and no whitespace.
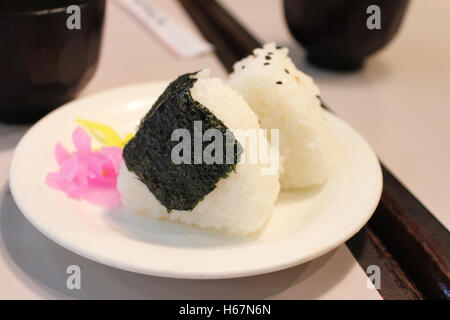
{"x":241,"y":203}
{"x":287,"y":99}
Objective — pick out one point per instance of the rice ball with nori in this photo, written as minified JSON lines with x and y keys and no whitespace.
{"x":237,"y":198}
{"x":287,"y":99}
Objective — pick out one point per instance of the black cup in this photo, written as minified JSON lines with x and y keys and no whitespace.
{"x":335,"y":33}
{"x":45,"y":60}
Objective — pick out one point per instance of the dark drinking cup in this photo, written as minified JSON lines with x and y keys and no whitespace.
{"x":49,"y":51}
{"x":340,"y":34}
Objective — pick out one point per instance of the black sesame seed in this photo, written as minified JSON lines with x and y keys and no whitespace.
{"x":269,"y":52}
{"x":287,"y":71}
{"x":266,"y":63}
{"x":268,"y":57}
{"x":243,"y":67}
{"x":278,"y":47}
{"x":279,"y":82}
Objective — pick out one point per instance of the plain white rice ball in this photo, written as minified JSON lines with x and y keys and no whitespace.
{"x":285,"y":98}
{"x":242,"y":202}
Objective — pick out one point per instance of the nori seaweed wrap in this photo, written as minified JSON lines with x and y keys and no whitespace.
{"x":148,"y":154}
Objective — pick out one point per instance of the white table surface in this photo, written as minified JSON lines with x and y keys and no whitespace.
{"x":399,"y":102}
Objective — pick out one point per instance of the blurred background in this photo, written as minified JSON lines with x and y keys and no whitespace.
{"x":385,"y":72}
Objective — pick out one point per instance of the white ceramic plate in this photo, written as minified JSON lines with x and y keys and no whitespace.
{"x":303,"y":226}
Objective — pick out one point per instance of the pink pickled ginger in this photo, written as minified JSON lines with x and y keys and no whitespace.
{"x":87,"y":174}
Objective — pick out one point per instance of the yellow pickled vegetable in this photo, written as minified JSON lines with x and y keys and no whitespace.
{"x":105,"y":134}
